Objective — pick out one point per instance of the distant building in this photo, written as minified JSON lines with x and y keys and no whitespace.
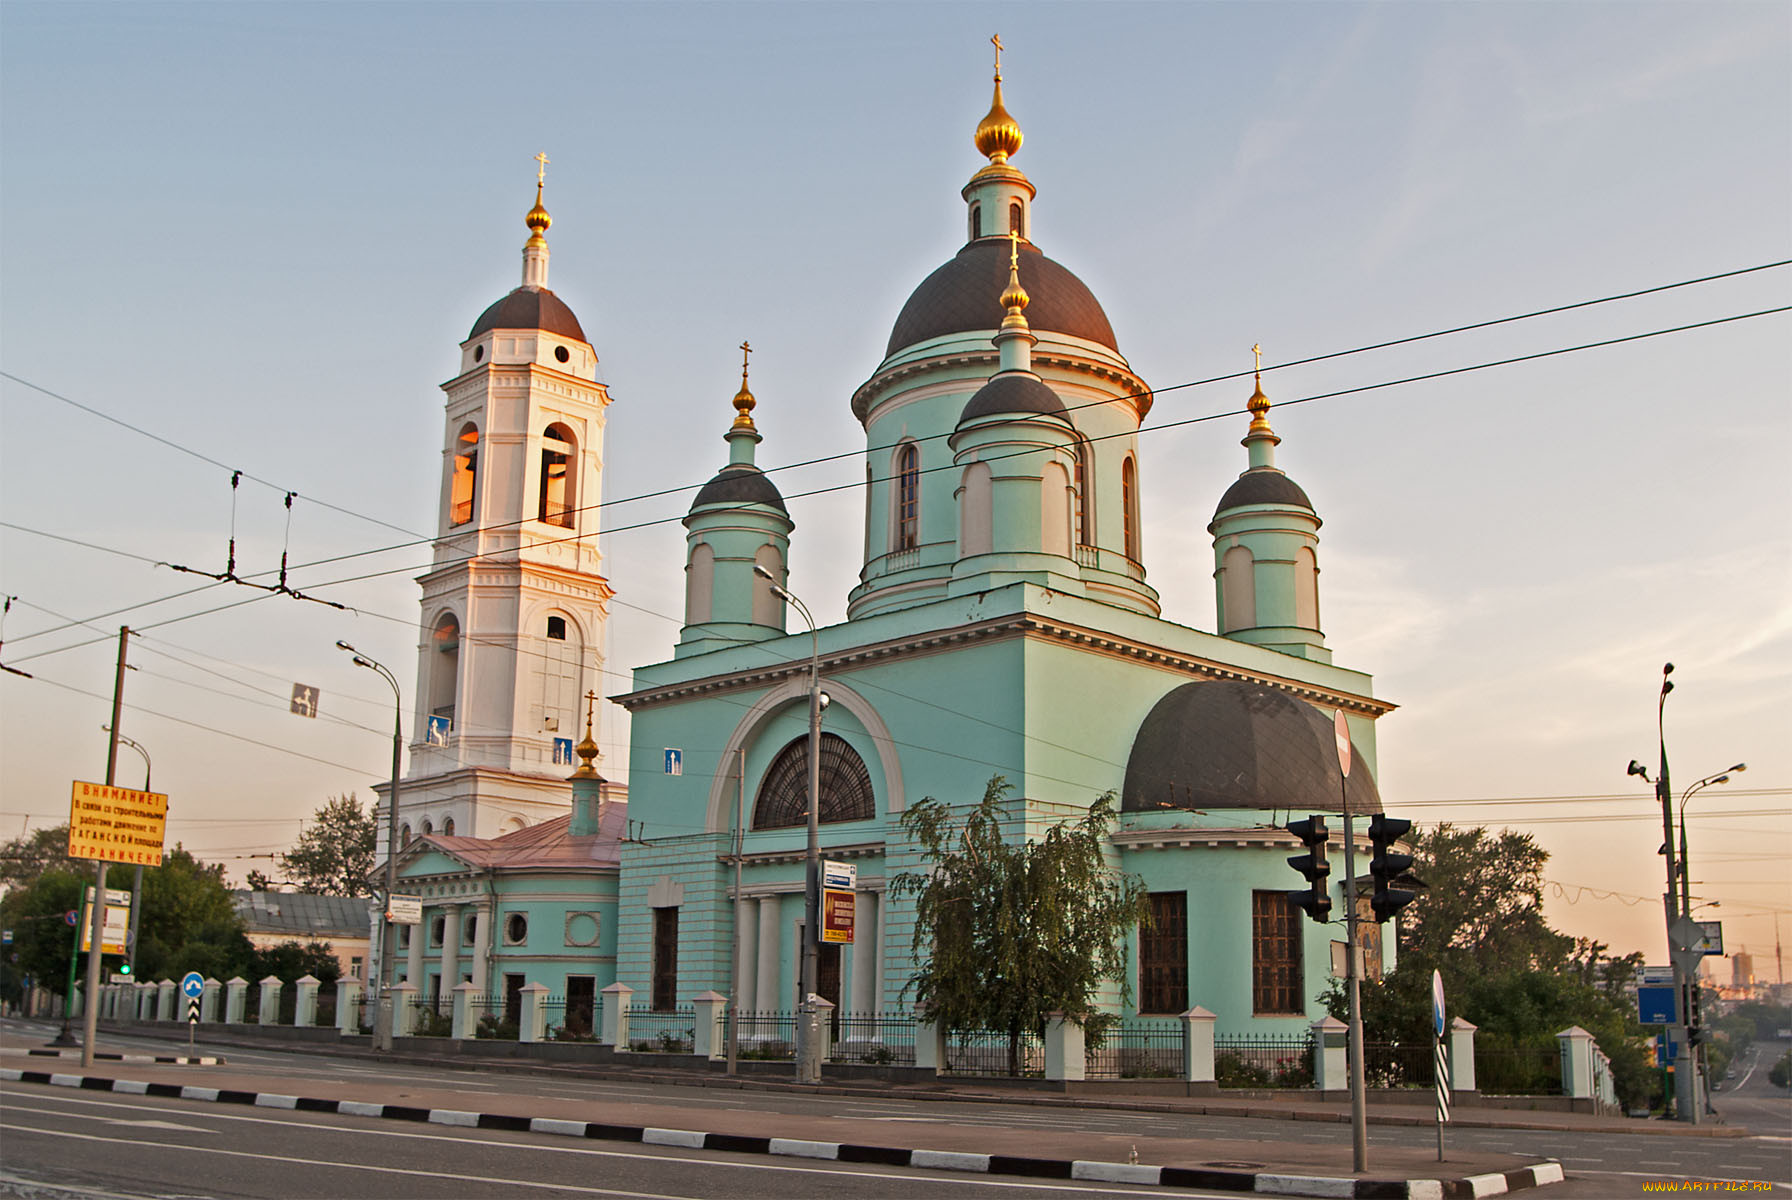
{"x":1742,"y":969}
{"x":340,"y":922}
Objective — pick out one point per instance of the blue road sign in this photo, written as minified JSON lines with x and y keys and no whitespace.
{"x":674,"y":761}
{"x":192,"y":985}
{"x":1665,"y":1051}
{"x":1655,"y":1005}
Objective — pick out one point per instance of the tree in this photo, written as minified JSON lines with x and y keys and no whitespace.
{"x":24,"y":859}
{"x":257,"y":881}
{"x":1007,"y":932}
{"x":335,"y":853}
{"x":1480,"y":924}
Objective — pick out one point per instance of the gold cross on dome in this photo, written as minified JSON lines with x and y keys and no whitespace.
{"x":590,"y":699}
{"x":996,"y":41}
{"x":1014,"y":249}
{"x":1257,"y":352}
{"x":745,"y":349}
{"x":541,"y":171}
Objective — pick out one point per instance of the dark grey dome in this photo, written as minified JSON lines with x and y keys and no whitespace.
{"x":529,"y":308}
{"x":1013,"y":393}
{"x":1232,"y":744}
{"x":1263,"y":487}
{"x":740,"y":484}
{"x":966,"y":295}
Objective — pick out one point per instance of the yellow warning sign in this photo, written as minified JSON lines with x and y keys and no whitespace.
{"x":116,"y":824}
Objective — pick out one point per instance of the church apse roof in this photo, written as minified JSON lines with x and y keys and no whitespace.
{"x":1240,"y":745}
{"x":547,"y":845}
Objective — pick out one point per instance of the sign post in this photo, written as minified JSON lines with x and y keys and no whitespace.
{"x":1442,"y":1058}
{"x":838,"y":880}
{"x":192,"y":986}
{"x":1359,"y":1118}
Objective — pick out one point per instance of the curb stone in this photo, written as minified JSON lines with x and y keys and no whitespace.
{"x":1261,"y":1182}
{"x":209,"y":1060}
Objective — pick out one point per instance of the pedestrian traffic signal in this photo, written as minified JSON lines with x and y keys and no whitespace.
{"x":1317,"y":898}
{"x":1387,"y":866}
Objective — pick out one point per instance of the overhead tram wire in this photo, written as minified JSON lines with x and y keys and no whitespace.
{"x":851,"y":454}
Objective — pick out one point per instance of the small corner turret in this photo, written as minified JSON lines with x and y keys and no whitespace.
{"x":1265,"y":540}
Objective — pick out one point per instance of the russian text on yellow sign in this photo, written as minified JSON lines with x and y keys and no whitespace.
{"x":116,"y":824}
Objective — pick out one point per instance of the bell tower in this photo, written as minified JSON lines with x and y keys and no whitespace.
{"x":514,"y":604}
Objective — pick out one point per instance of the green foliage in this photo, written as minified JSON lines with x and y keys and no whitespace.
{"x":1780,"y":1075}
{"x":292,"y":960}
{"x":189,"y":922}
{"x":1007,"y":932}
{"x":24,"y":859}
{"x":334,"y":855}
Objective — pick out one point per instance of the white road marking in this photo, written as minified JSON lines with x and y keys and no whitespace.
{"x":1033,"y":1185}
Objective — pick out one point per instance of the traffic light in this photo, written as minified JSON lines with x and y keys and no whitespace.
{"x":124,"y":968}
{"x":1387,"y":866}
{"x":1317,"y":899}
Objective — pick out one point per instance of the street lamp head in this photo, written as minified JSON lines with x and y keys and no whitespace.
{"x":1736,"y":768}
{"x":361,"y":662}
{"x":1637,"y":768}
{"x":1667,"y":669}
{"x":759,"y":570}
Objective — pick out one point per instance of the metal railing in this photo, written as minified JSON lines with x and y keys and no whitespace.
{"x":1263,"y":1060}
{"x":876,"y":1038}
{"x":429,"y":1019}
{"x":1399,"y":1065}
{"x":1138,"y":1049}
{"x":1518,"y":1070}
{"x":668,"y":1031}
{"x":994,"y":1052}
{"x":770,"y":1035}
{"x":325,"y":1011}
{"x":496,"y":1016}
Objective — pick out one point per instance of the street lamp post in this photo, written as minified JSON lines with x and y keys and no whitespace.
{"x":1697,"y":1018}
{"x":382,"y":1023}
{"x":808,"y":1042}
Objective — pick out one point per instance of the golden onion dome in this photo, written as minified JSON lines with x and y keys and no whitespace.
{"x":1014,"y":296}
{"x":998,"y":134}
{"x":744,"y":402}
{"x":538,"y":219}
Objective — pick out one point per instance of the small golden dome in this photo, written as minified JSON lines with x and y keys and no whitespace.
{"x":538,"y":219}
{"x":1014,"y":296}
{"x":998,"y":134}
{"x":587,"y":747}
{"x":743,"y":399}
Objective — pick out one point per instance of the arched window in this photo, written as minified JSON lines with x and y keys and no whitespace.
{"x":1015,"y":219}
{"x":976,"y":221}
{"x":1238,"y":589}
{"x":1054,"y":509}
{"x":768,"y":608}
{"x":975,"y":516}
{"x":1129,"y":506}
{"x":1306,"y":588}
{"x":561,"y":654}
{"x":699,"y":584}
{"x":404,"y":834}
{"x":444,"y":676}
{"x":1085,"y":493}
{"x":783,"y":799}
{"x":428,"y":827}
{"x":908,"y":497}
{"x":448,"y":827}
{"x":557,"y":457}
{"x":462,"y":488}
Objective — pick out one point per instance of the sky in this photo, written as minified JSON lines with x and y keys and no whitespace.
{"x":250,"y":237}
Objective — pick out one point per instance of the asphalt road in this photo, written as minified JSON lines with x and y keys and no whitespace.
{"x":1599,"y":1164}
{"x":63,"y":1143}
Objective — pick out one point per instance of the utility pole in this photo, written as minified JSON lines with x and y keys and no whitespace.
{"x":90,"y":1010}
{"x":1359,"y":1121}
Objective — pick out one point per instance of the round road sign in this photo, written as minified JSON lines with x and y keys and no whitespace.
{"x":1437,"y":1003}
{"x":192,"y":985}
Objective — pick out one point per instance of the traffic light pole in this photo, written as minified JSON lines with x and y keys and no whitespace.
{"x":1359,"y":1122}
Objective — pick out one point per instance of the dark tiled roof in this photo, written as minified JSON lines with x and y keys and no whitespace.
{"x":1012,"y":393}
{"x":740,"y":484}
{"x":529,"y":308}
{"x":965,"y":295}
{"x":1263,"y":487}
{"x":298,"y":913}
{"x":1233,"y":744}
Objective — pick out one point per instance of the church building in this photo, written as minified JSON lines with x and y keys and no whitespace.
{"x":1003,"y":624}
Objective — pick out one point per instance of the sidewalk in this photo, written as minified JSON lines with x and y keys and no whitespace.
{"x":1289,"y":1165}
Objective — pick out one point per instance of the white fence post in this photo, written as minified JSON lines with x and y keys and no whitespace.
{"x":1197,"y":1045}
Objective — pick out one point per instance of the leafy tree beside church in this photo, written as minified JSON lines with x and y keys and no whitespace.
{"x":1010,"y":930}
{"x":335,"y":853}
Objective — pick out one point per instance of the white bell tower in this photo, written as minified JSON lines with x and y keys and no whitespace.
{"x":514,"y":605}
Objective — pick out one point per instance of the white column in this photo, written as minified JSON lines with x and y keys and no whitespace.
{"x":877,"y":930}
{"x":766,"y":994}
{"x":746,"y":965}
{"x":482,"y":945}
{"x":864,"y":954}
{"x":450,"y":953}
